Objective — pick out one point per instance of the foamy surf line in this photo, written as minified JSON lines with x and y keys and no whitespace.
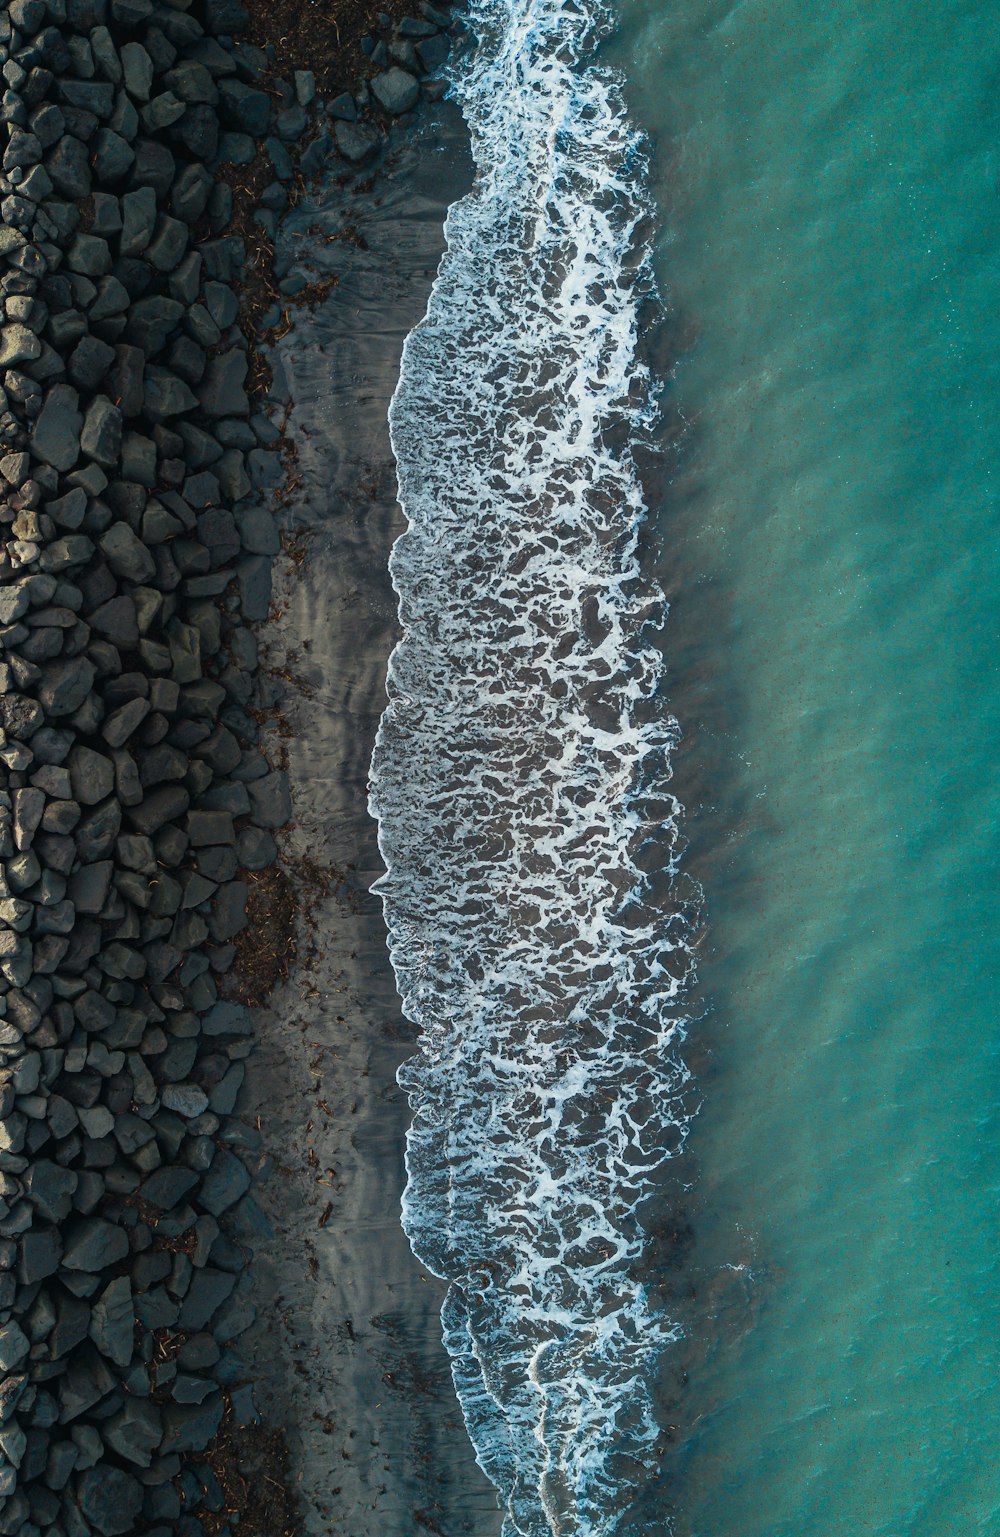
{"x":520,"y":780}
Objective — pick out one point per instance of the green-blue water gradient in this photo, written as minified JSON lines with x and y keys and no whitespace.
{"x":829,"y":184}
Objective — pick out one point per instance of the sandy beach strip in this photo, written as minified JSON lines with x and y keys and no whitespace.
{"x":347,"y":1354}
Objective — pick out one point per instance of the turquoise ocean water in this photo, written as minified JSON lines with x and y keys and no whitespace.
{"x":822,"y":194}
{"x":828,"y":179}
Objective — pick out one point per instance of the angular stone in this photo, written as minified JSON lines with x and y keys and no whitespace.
{"x":185,"y":1099}
{"x":56,"y":435}
{"x":13,"y":603}
{"x":18,"y":344}
{"x":94,"y":1012}
{"x":208,"y":1291}
{"x":168,"y":245}
{"x":74,"y":550}
{"x":116,"y":620}
{"x":101,"y":438}
{"x":270,"y":800}
{"x":126,"y":554}
{"x":162,"y":111}
{"x":88,"y":364}
{"x":113,"y":156}
{"x":50,"y":1188}
{"x":112,"y":1323}
{"x":224,"y":1183}
{"x":162,"y":805}
{"x":112,"y":299}
{"x":259,"y":532}
{"x":93,"y":1244}
{"x":290,"y":123}
{"x":433,"y":52}
{"x":88,"y":887}
{"x":29,"y":804}
{"x":256,"y":848}
{"x":138,"y":220}
{"x":255,"y":577}
{"x":65,"y":685}
{"x":120,"y":725}
{"x":91,"y":775}
{"x":90,"y":255}
{"x":166,"y":395}
{"x":189,"y":1428}
{"x":343,"y":107}
{"x":222,"y":392}
{"x":168,"y":1186}
{"x":106,"y":55}
{"x":229,"y":916}
{"x":39,"y":1253}
{"x":138,"y":70}
{"x":305,"y":86}
{"x":14,"y":1346}
{"x":152,"y":320}
{"x":395,"y":90}
{"x":135,"y":1433}
{"x":69,"y":167}
{"x":207,"y":827}
{"x":198,"y":130}
{"x":246,"y":106}
{"x":225,"y":1018}
{"x":111,"y":1499}
{"x":356,"y":142}
{"x":224,"y":1094}
{"x":11,"y":1389}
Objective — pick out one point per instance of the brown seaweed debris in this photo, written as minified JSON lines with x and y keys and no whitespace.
{"x":325,"y":38}
{"x":265,"y":948}
{"x":257,"y":290}
{"x":251,"y":1466}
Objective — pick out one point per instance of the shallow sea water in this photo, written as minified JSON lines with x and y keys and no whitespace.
{"x":829,"y":248}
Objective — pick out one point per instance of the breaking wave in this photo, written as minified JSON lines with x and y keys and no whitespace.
{"x":520,"y":780}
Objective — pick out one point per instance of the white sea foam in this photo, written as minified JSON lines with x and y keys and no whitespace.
{"x":520,"y":782}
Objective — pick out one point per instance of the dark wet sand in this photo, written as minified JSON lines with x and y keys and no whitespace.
{"x":347,"y":1353}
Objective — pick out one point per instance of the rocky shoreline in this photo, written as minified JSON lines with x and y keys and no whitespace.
{"x":149,"y":157}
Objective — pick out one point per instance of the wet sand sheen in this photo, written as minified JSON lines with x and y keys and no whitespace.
{"x":347,"y":1351}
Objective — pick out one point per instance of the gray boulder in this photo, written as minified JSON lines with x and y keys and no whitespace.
{"x":395,"y":90}
{"x":356,"y":142}
{"x":126,"y":554}
{"x":112,"y":1322}
{"x":138,"y":69}
{"x":91,"y":775}
{"x":138,"y":219}
{"x":18,"y":344}
{"x":270,"y":800}
{"x":101,"y":438}
{"x":56,"y":437}
{"x":188,"y":1428}
{"x":69,"y":167}
{"x":50,"y":1189}
{"x":222,"y":392}
{"x":135,"y":1433}
{"x":224,"y":1183}
{"x":65,"y":685}
{"x":14,"y":1346}
{"x":110,"y":1499}
{"x":92,"y":1245}
{"x":166,"y":395}
{"x":39,"y":1253}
